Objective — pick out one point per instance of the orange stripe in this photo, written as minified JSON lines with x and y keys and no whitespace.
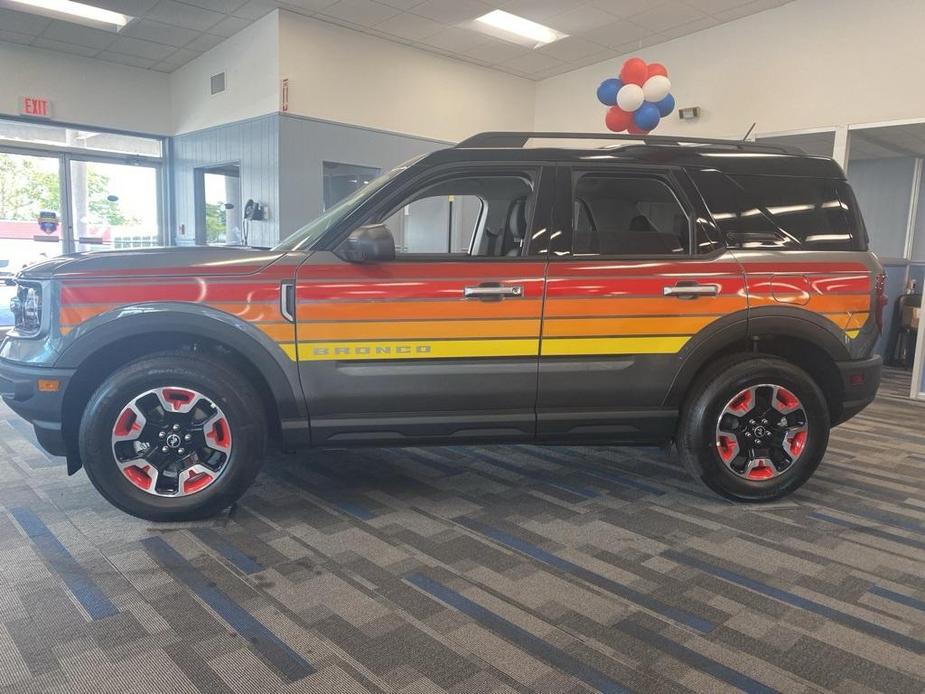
{"x":76,"y":315}
{"x":280,"y":332}
{"x":410,"y":310}
{"x":578,"y":327}
{"x":824,"y":304}
{"x":643,"y":306}
{"x":848,"y":321}
{"x":419,"y":330}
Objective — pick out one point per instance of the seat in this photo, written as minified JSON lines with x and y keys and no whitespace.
{"x":516,"y":228}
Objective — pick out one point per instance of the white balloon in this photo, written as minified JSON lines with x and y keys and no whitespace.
{"x":656,"y":88}
{"x":630,"y":97}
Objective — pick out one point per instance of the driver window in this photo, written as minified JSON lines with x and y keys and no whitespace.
{"x":479,"y":215}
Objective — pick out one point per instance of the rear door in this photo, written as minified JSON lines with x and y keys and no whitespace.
{"x":443,"y":342}
{"x":635,"y":284}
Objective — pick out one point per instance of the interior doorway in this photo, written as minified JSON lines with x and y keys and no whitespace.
{"x":218,"y":203}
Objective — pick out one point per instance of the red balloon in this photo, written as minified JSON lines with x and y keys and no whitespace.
{"x":657,"y":69}
{"x":632,"y":129}
{"x":617,"y":119}
{"x":635,"y":71}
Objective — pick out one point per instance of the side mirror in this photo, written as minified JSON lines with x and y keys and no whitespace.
{"x":372,"y":243}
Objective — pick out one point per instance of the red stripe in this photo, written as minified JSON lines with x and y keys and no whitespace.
{"x":191,"y":291}
{"x":785,"y":267}
{"x":486,"y":271}
{"x":633,"y":286}
{"x":641,"y":268}
{"x":396,"y":291}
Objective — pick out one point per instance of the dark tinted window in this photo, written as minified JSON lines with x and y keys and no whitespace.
{"x":619,"y":215}
{"x":782,"y":212}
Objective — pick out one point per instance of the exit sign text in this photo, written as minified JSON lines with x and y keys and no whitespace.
{"x":37,"y":108}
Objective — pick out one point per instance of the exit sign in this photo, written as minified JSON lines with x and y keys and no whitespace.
{"x":34,"y":107}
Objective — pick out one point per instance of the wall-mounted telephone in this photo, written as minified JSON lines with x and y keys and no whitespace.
{"x":253,"y":212}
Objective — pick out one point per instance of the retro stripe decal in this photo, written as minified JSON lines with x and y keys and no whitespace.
{"x":407,"y":349}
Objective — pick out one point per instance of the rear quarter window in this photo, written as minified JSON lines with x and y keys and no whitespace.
{"x":783,"y":212}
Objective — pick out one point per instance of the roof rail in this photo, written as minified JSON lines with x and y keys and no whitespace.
{"x":516,"y":140}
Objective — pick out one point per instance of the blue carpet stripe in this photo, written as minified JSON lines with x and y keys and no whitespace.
{"x":906,"y":600}
{"x":542,"y":476}
{"x":696,"y":660}
{"x":876,"y":532}
{"x":224,"y":547}
{"x":607,"y":584}
{"x":518,"y":636}
{"x":888,"y":635}
{"x":62,"y":562}
{"x":269,"y":645}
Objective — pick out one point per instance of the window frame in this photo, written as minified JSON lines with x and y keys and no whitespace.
{"x":540,"y":173}
{"x":670,"y":177}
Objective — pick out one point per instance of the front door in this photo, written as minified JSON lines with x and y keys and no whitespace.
{"x":443,"y":342}
{"x":634,"y":285}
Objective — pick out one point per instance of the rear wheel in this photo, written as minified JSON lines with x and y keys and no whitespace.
{"x":173,"y":437}
{"x":754,"y":428}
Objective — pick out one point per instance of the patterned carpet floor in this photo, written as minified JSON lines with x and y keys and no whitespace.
{"x":476,"y":570}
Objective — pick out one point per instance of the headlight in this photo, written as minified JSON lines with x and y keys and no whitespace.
{"x":26,"y":307}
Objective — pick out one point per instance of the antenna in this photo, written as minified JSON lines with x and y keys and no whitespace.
{"x":749,"y":131}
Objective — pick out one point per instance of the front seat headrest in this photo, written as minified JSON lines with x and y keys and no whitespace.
{"x":516,"y":227}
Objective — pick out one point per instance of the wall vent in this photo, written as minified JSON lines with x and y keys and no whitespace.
{"x":217,"y":83}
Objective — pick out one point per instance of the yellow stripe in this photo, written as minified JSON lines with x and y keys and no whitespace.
{"x":437,"y":349}
{"x":613,"y":345}
{"x":852,"y":334}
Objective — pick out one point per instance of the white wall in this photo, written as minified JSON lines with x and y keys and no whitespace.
{"x":85,"y":91}
{"x":250,"y":60}
{"x":806,"y":64}
{"x":344,"y":76}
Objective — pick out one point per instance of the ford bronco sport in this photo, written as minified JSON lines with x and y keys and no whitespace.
{"x":719,"y":294}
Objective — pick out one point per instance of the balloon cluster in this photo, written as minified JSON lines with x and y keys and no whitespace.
{"x":638,"y":99}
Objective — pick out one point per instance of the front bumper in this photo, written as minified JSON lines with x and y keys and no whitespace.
{"x":860,"y":381}
{"x":19,"y":390}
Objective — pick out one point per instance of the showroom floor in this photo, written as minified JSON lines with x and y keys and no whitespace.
{"x":496,"y":569}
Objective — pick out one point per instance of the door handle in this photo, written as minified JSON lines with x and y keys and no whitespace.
{"x":287,"y":300}
{"x":493,"y":291}
{"x":691,"y":290}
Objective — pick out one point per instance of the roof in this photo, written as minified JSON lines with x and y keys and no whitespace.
{"x":729,"y":156}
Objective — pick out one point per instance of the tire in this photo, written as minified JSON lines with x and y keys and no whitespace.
{"x":238,"y":424}
{"x":715,"y":418}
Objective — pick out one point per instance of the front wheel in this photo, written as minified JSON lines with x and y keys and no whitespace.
{"x":754,"y":428}
{"x":173,"y":437}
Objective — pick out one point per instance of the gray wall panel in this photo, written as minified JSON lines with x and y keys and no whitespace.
{"x":252,"y":143}
{"x":305,"y":144}
{"x":884,"y":189}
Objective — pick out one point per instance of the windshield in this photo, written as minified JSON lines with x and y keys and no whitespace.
{"x":311,"y":232}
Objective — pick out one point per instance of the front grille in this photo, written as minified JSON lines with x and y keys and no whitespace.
{"x":26,"y":307}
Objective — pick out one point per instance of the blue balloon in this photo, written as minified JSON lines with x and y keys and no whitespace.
{"x":646,"y":116}
{"x":607,"y":92}
{"x":665,"y":106}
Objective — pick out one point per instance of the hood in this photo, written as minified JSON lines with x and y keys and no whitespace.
{"x":180,"y":261}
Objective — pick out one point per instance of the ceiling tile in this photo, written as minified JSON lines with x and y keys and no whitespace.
{"x":230,"y":26}
{"x":181,"y":15}
{"x":122,"y":59}
{"x":254,"y":9}
{"x":410,"y":26}
{"x":306,"y":6}
{"x":623,"y":8}
{"x":23,"y":22}
{"x":223,"y":6}
{"x":570,"y":49}
{"x":360,"y":12}
{"x":142,"y":49}
{"x":453,"y":11}
{"x":536,"y":10}
{"x":149,"y":30}
{"x":132,"y":8}
{"x":15,"y":37}
{"x":402,"y":4}
{"x":78,"y":35}
{"x":205,"y":42}
{"x":176,"y":59}
{"x":689,"y":28}
{"x":494,"y":51}
{"x":616,"y":34}
{"x":454,"y":39}
{"x":666,"y":16}
{"x":65,"y":47}
{"x":532,"y":62}
{"x":580,"y":19}
{"x":714,"y":6}
{"x":748,"y":9}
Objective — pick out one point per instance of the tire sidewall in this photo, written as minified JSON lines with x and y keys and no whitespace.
{"x":699,"y":429}
{"x":225,"y":388}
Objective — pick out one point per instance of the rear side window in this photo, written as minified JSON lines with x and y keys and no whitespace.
{"x":788,"y":213}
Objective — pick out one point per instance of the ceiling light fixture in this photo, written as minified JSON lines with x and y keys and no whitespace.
{"x":510,"y":27}
{"x":70,"y":11}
